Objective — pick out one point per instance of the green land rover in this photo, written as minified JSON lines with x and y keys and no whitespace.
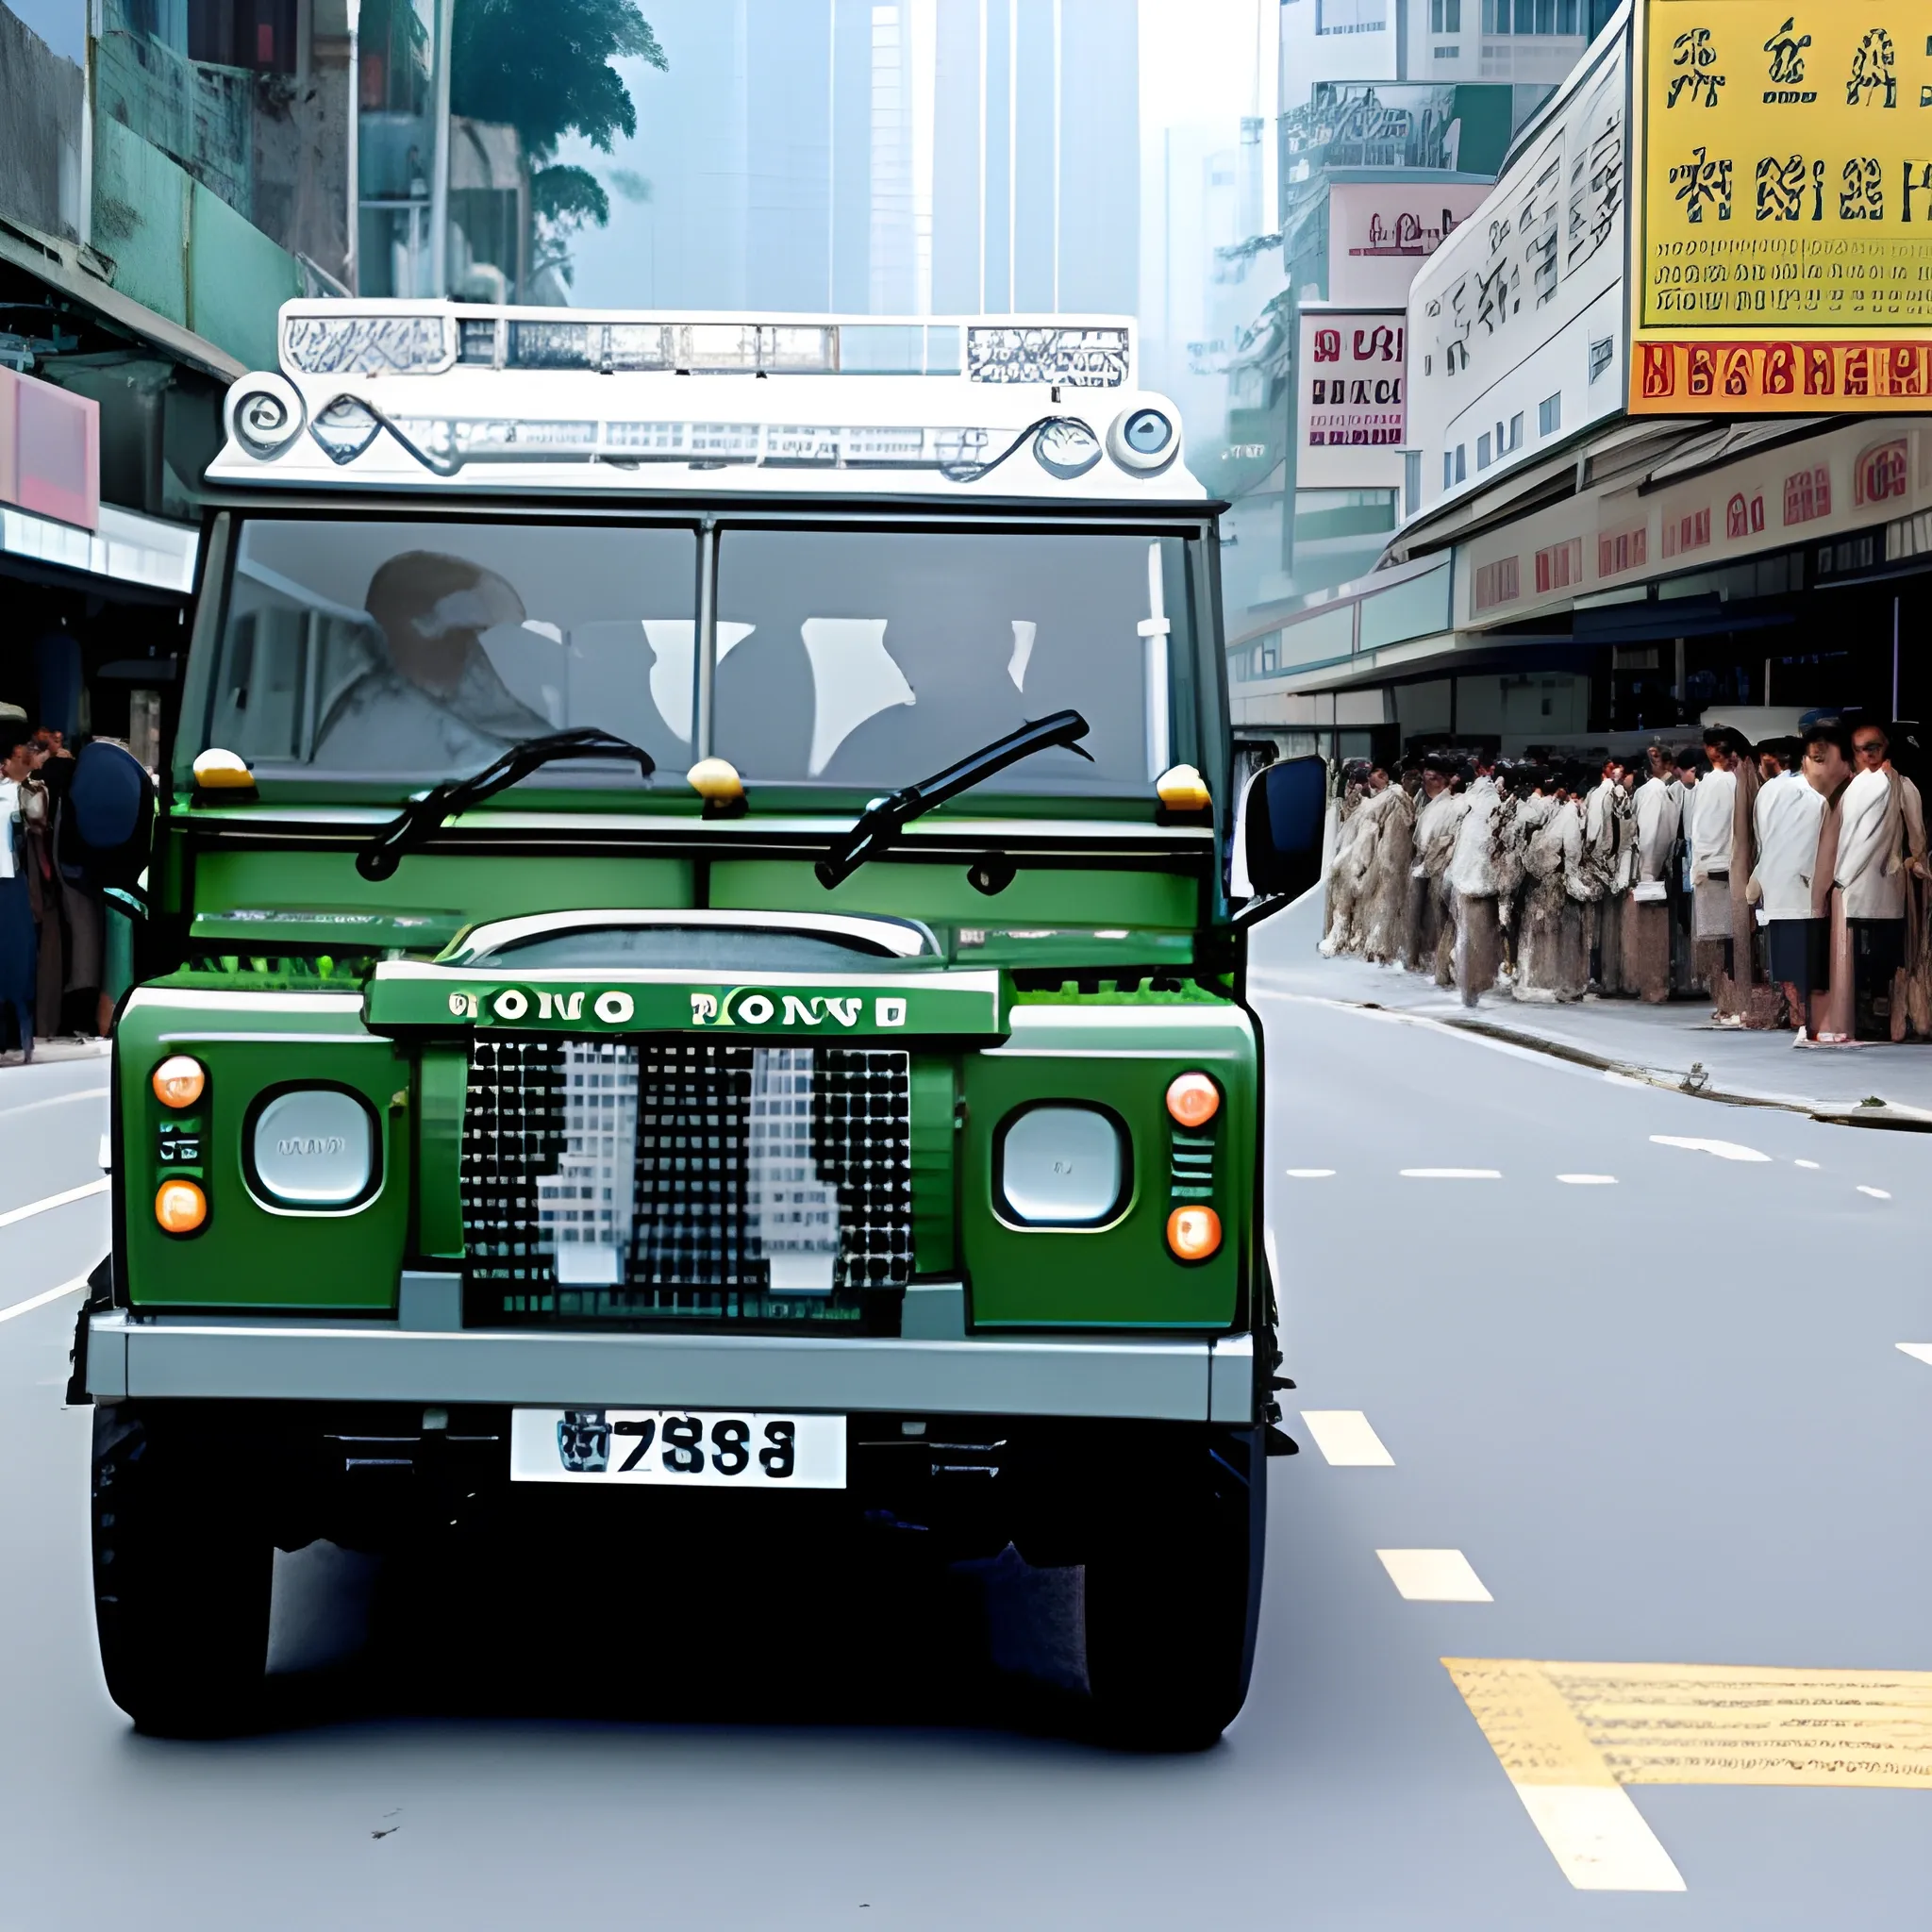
{"x":689,"y":947}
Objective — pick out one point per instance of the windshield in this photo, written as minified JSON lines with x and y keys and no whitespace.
{"x":417,"y":651}
{"x":877,"y":658}
{"x":423,"y":650}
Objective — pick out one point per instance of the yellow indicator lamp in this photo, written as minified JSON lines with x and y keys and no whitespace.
{"x":180,"y":1206}
{"x":221,"y":771}
{"x":1193,"y":1099}
{"x":180,"y":1080}
{"x":1181,"y":788}
{"x":716,"y":781}
{"x":1194,"y":1233}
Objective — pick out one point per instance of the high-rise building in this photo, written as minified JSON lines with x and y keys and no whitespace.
{"x":1035,"y":197}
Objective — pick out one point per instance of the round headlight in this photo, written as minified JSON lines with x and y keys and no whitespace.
{"x":1066,"y":448}
{"x":180,"y":1080}
{"x":1145,"y":441}
{"x":1194,"y":1233}
{"x":1061,"y":1166}
{"x":314,"y":1147}
{"x":265,"y":414}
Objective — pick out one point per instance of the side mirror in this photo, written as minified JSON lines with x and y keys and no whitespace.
{"x":108,"y":825}
{"x":1287,"y":807}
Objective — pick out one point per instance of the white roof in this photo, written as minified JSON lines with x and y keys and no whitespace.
{"x":455,"y":399}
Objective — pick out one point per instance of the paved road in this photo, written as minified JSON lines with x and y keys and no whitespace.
{"x":1662,"y":1418}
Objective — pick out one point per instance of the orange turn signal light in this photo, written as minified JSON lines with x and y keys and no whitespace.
{"x":1194,"y":1233}
{"x":180,"y":1206}
{"x":1193,"y":1099}
{"x":180,"y":1080}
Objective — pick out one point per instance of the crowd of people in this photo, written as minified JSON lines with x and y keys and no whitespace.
{"x":1787,"y":880}
{"x":55,"y":929}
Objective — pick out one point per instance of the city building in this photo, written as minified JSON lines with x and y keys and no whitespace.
{"x":891,"y":156}
{"x":1613,"y":527}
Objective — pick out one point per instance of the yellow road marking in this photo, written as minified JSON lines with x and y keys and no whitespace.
{"x":1566,"y":1733}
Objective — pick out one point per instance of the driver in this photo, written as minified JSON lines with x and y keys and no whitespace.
{"x":435,"y":702}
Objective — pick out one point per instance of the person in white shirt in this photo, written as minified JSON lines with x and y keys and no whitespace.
{"x":1430,"y":930}
{"x":1603,"y":806}
{"x":1386,"y":838}
{"x":1787,"y":817}
{"x":1713,"y":807}
{"x":1479,"y":949}
{"x":1871,"y":859}
{"x":20,"y":944}
{"x":1647,"y":912}
{"x":1831,"y":1009}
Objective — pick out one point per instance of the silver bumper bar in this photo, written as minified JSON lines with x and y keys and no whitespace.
{"x":274,"y":1360}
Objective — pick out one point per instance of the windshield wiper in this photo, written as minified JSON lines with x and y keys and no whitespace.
{"x":882,"y":821}
{"x":379,"y":859}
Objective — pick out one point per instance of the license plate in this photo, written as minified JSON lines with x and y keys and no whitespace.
{"x":683,"y":1448}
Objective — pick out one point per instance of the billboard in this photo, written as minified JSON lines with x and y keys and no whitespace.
{"x":1782,"y":254}
{"x":1349,"y":410}
{"x":1378,"y":235}
{"x":1516,"y":321}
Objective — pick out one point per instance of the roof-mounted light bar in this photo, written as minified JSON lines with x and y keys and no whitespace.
{"x":394,"y":340}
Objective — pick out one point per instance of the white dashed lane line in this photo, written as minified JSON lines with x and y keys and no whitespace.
{"x":1876,"y":1193}
{"x":1724,"y":1150}
{"x":1309,"y":1174}
{"x":1345,"y":1439}
{"x":1588,"y":1180}
{"x":1434,"y":1576}
{"x":1804,"y":1163}
{"x":1451,"y":1174}
{"x":1919,"y":1351}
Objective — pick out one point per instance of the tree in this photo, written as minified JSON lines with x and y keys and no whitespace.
{"x":544,"y":68}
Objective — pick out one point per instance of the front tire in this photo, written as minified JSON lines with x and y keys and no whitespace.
{"x":183,"y":1571}
{"x":1173,"y":1600}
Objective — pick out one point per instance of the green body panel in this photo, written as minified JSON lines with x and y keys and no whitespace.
{"x":442,"y":1079}
{"x":1119,"y":1057}
{"x":464,"y":889}
{"x":1037,"y":897}
{"x":935,"y":1163}
{"x":249,"y":1254}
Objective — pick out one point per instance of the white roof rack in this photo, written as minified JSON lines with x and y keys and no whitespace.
{"x":441,"y":397}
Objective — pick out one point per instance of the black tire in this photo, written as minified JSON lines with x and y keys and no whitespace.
{"x":183,"y":1571}
{"x":1172,"y":1595}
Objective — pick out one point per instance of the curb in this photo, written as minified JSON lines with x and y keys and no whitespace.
{"x":1697,"y":1083}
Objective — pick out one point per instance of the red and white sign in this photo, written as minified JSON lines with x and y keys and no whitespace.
{"x":50,"y":451}
{"x":1350,"y":415}
{"x":1379,"y":236}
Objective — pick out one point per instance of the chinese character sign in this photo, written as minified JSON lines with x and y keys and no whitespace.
{"x":1783,"y":258}
{"x":1352,"y":374}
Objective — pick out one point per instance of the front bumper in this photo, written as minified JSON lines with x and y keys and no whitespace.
{"x":266,"y":1358}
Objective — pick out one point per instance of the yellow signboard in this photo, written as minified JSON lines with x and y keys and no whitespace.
{"x":1781,"y":237}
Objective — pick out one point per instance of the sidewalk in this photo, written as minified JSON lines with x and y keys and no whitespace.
{"x":46,"y":1051}
{"x":1675,"y":1046}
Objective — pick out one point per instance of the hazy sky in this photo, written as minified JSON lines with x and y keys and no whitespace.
{"x":1204,"y":65}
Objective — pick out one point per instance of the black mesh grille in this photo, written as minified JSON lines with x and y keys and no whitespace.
{"x":694,"y":1251}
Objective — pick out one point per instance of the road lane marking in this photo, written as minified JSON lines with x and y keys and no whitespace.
{"x":1919,"y":1351}
{"x":1876,"y":1193}
{"x":1724,"y":1150}
{"x":1594,"y":1830}
{"x":1345,"y":1439}
{"x":32,"y":1208}
{"x":1804,"y":1163}
{"x":1589,"y":1180}
{"x":1309,"y":1174}
{"x":1434,"y":1576}
{"x":1451,"y":1174}
{"x":57,"y":1100}
{"x":40,"y":1300}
